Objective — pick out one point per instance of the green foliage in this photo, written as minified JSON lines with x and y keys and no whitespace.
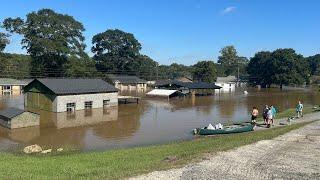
{"x":3,"y":41}
{"x":205,"y":71}
{"x":49,"y":38}
{"x":80,"y":67}
{"x":14,"y":65}
{"x":174,"y":71}
{"x":281,"y":67}
{"x":117,"y":51}
{"x":229,"y":60}
{"x":314,"y":63}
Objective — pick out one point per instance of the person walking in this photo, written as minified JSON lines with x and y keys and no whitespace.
{"x":254,"y":115}
{"x":299,"y":109}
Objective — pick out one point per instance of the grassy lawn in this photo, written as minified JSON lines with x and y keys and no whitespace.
{"x":122,"y":163}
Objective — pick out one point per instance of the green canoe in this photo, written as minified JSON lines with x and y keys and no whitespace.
{"x":225,"y":130}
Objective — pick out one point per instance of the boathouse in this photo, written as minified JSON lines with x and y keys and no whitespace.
{"x":128,"y":83}
{"x":193,"y":88}
{"x":60,"y":95}
{"x":14,"y":118}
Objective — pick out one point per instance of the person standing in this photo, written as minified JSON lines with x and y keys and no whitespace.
{"x":254,"y":115}
{"x":274,"y":112}
{"x":269,"y":117}
{"x":265,"y":114}
{"x":299,"y":109}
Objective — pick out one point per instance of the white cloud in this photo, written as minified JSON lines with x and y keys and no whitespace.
{"x":228,"y":10}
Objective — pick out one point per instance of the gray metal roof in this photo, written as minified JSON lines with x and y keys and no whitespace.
{"x":76,"y":86}
{"x":189,"y":85}
{"x":11,"y":82}
{"x":10,"y":113}
{"x":126,"y":79}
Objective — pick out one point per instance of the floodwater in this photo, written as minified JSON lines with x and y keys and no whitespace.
{"x":152,"y":121}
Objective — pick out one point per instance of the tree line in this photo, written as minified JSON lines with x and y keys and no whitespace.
{"x":55,"y":48}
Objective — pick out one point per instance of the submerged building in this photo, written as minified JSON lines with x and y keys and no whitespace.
{"x":10,"y":86}
{"x":128,"y":83}
{"x":13,"y":118}
{"x":228,"y":83}
{"x":61,"y":95}
{"x":193,"y":88}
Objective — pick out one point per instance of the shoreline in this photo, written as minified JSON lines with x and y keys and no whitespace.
{"x":123,"y":163}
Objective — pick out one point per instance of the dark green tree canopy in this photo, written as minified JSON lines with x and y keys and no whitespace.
{"x":50,"y":38}
{"x":3,"y":41}
{"x":229,"y":60}
{"x":47,"y":32}
{"x":281,"y":67}
{"x":314,"y":63}
{"x":205,"y":71}
{"x":115,"y":42}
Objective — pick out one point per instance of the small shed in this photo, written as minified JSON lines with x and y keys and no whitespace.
{"x":13,"y":118}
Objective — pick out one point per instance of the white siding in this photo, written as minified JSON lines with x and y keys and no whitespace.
{"x":60,"y":102}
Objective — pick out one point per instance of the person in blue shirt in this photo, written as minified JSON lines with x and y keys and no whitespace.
{"x":274,"y":112}
{"x":299,"y":109}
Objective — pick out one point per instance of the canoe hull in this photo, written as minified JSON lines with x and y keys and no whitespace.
{"x":239,"y":129}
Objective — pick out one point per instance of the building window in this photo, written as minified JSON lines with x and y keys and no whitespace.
{"x":6,"y":88}
{"x":71,"y":107}
{"x":106,"y":103}
{"x":88,"y":105}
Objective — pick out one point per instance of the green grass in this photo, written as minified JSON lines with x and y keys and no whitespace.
{"x":122,"y":163}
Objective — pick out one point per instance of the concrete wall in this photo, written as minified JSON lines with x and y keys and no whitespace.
{"x":25,"y":119}
{"x":60,"y":102}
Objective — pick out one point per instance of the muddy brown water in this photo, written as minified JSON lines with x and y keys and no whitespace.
{"x":152,"y":121}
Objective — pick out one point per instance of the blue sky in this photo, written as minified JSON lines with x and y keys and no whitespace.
{"x":186,"y":31}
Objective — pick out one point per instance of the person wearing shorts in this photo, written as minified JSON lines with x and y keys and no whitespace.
{"x":254,"y":115}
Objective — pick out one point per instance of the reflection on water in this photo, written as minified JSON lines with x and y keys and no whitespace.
{"x":149,"y":122}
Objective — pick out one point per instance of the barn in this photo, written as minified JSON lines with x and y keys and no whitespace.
{"x":61,"y":95}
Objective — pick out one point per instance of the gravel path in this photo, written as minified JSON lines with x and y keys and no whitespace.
{"x":295,"y":155}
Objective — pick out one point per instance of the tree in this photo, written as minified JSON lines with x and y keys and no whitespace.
{"x":229,"y":60}
{"x":288,"y":67}
{"x":281,"y":67}
{"x":14,"y":65}
{"x":114,"y":49}
{"x":205,"y":71}
{"x":174,"y":71}
{"x":257,"y":69}
{"x":80,"y":67}
{"x":314,"y":63}
{"x":50,"y":38}
{"x":3,"y":41}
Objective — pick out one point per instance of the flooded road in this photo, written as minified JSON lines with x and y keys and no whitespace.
{"x":152,"y":121}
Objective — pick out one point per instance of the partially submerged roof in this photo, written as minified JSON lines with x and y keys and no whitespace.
{"x":10,"y":113}
{"x":74,"y":86}
{"x":126,"y":79}
{"x":189,"y":85}
{"x":11,"y":82}
{"x":226,"y":79}
{"x":161,"y":92}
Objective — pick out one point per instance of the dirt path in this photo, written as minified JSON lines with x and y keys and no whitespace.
{"x":295,"y":155}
